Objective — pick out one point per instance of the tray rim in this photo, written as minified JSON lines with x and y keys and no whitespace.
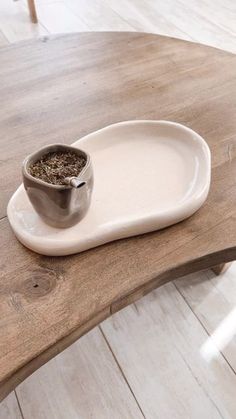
{"x":181,"y":212}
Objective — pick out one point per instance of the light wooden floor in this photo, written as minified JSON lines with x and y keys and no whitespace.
{"x":172,"y":354}
{"x":206,"y":21}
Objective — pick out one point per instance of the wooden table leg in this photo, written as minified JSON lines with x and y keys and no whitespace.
{"x":220,"y":269}
{"x":32,"y":10}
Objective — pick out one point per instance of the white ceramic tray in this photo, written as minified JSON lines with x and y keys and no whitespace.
{"x":148,"y":175}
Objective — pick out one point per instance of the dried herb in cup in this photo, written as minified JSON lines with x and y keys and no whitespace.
{"x":55,"y":167}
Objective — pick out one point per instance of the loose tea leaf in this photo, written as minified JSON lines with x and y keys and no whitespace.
{"x":54,"y":167}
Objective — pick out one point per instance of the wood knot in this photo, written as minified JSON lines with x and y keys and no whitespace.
{"x":41,"y":282}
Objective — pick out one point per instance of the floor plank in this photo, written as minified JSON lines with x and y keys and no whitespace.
{"x":82,"y":382}
{"x":3,"y":40}
{"x":66,"y":21}
{"x":203,"y":24}
{"x":15,"y":23}
{"x":183,"y":19}
{"x":214,"y":303}
{"x":145,"y":18}
{"x":220,"y":15}
{"x":208,"y":23}
{"x":9,"y":408}
{"x":98,"y":16}
{"x":157,"y":343}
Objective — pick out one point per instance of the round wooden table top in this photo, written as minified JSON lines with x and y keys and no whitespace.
{"x":59,"y":89}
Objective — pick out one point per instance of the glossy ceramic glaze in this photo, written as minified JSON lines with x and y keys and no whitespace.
{"x":59,"y":206}
{"x":147,"y":176}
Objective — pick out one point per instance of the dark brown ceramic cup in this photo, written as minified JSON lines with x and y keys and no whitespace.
{"x":59,"y":205}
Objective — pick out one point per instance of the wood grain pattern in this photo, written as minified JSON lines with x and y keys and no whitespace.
{"x":59,"y":89}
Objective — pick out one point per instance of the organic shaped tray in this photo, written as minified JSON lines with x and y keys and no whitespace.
{"x":148,"y":175}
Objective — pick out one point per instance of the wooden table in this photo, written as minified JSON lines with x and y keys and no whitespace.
{"x":61,"y":88}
